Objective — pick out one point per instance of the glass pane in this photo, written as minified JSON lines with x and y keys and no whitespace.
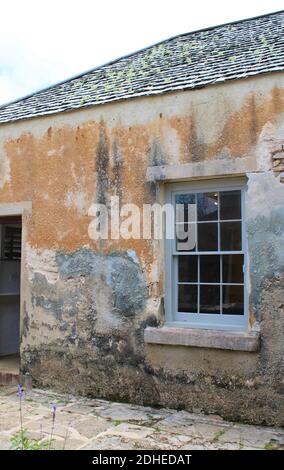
{"x":208,"y":237}
{"x":233,"y":300}
{"x":233,"y":268}
{"x":230,"y":205}
{"x":185,"y":208}
{"x":186,"y":237}
{"x":187,"y":268}
{"x":209,"y":299}
{"x":231,"y":237}
{"x":187,"y":298}
{"x":210,"y":268}
{"x":207,"y":206}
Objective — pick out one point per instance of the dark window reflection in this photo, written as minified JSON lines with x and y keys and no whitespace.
{"x":187,"y":268}
{"x":230,"y":205}
{"x":208,"y":237}
{"x":210,"y":299}
{"x":233,"y":300}
{"x":233,"y":268}
{"x":207,"y":206}
{"x":231,"y":236}
{"x":187,"y":298}
{"x":209,"y":268}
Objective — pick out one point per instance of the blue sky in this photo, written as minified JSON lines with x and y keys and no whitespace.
{"x":42,"y":43}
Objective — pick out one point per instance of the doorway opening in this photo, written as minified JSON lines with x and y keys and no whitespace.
{"x":10,"y":282}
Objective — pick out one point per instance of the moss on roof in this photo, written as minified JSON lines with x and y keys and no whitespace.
{"x":193,"y":60}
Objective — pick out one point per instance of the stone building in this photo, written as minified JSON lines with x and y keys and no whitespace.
{"x":197,"y":121}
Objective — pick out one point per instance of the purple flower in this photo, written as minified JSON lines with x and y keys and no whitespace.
{"x":20,"y":391}
{"x":54,"y":408}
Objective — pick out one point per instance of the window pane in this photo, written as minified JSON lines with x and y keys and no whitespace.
{"x":185,"y":208}
{"x":210,"y":299}
{"x":208,"y":237}
{"x":187,"y":298}
{"x":231,"y":239}
{"x":207,"y":206}
{"x":187,"y":268}
{"x":233,"y":268}
{"x":210,"y":268}
{"x":230,"y":205}
{"x":233,"y":300}
{"x":186,"y":237}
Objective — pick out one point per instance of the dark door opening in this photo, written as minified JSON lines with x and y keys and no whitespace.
{"x":10,"y":280}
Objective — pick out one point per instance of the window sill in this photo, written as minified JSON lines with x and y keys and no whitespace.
{"x":217,"y":339}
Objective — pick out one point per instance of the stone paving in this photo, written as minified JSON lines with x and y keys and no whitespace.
{"x":91,"y":424}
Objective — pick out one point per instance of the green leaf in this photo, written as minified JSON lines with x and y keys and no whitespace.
{"x":21,"y":441}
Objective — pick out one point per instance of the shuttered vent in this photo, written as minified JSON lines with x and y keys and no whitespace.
{"x":11,"y":244}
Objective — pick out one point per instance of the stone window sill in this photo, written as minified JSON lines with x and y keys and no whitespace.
{"x":217,"y":339}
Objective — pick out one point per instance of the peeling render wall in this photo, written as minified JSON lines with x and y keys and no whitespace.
{"x":85,"y":304}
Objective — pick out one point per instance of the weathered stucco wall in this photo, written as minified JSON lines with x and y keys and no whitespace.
{"x":85,"y":304}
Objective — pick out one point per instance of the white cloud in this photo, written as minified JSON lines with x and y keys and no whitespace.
{"x":45,"y":42}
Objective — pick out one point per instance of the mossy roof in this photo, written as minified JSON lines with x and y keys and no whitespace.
{"x":194,"y":60}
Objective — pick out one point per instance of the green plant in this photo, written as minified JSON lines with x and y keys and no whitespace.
{"x":117,"y":422}
{"x":21,"y":441}
{"x":217,"y":435}
{"x":273,"y":445}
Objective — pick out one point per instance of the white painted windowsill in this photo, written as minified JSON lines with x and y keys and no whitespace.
{"x":217,"y":339}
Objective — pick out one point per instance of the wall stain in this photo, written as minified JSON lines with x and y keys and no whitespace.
{"x":102,"y":166}
{"x":117,"y":178}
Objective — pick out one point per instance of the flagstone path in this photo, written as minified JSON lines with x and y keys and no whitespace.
{"x":93,"y":424}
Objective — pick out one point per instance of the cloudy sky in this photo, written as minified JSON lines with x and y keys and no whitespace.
{"x":42,"y":43}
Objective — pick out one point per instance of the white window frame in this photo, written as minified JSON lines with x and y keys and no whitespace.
{"x":203,"y":321}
